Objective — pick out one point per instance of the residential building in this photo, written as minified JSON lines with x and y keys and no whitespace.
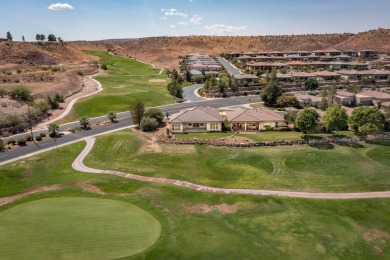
{"x":367,"y":53}
{"x":308,"y":100}
{"x":245,"y":119}
{"x":344,"y":98}
{"x":240,"y":78}
{"x":376,"y":95}
{"x":196,"y":119}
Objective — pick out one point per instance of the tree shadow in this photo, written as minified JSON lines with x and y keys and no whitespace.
{"x":323,"y":146}
{"x":311,"y":137}
{"x":353,"y":145}
{"x":380,"y":142}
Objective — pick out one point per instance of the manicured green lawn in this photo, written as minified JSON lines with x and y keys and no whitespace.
{"x":76,"y":228}
{"x":126,"y":79}
{"x":257,"y":105}
{"x":192,"y":226}
{"x":300,"y":168}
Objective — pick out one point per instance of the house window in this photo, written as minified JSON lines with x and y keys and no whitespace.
{"x":176,"y":127}
{"x":214,"y":126}
{"x":196,"y":124}
{"x":200,"y":124}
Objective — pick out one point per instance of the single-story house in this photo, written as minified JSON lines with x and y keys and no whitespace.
{"x":240,"y":78}
{"x":245,"y":119}
{"x":376,"y":95}
{"x":367,"y":53}
{"x":328,"y":75}
{"x":385,"y":105}
{"x":308,"y":100}
{"x":364,"y":100}
{"x":344,"y":98}
{"x":196,"y":119}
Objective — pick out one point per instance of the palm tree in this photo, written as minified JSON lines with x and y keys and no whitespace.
{"x":23,"y":94}
{"x":112,"y":116}
{"x":84,"y":122}
{"x":53,"y":129}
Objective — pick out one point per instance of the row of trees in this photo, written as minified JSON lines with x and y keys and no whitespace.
{"x":175,"y":86}
{"x":38,"y":37}
{"x":364,"y":120}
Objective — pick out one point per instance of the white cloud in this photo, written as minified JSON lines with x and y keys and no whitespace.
{"x":173,"y":12}
{"x":172,"y":26}
{"x":196,"y":19}
{"x":182,"y":23}
{"x":163,"y":18}
{"x":225,"y":29}
{"x":59,"y":6}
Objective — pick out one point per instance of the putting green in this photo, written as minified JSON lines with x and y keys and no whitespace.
{"x":76,"y":228}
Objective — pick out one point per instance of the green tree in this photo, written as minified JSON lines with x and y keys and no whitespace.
{"x":287,"y":101}
{"x":23,"y":95}
{"x":323,"y":105}
{"x":84,"y":122}
{"x":174,"y":88}
{"x":53,"y":103}
{"x":112,"y":116}
{"x":335,"y":118}
{"x":53,"y":129}
{"x":311,"y":84}
{"x":271,"y":93}
{"x":188,"y":76}
{"x":38,"y":37}
{"x":2,"y":145}
{"x":23,"y":39}
{"x":59,"y":98}
{"x":14,"y":121}
{"x":42,"y":106}
{"x":331,"y":92}
{"x":290,"y":118}
{"x":155,"y":113}
{"x":366,"y":120}
{"x":9,"y":37}
{"x":137,"y":110}
{"x":51,"y":38}
{"x":42,"y":37}
{"x":148,"y":124}
{"x":307,"y":120}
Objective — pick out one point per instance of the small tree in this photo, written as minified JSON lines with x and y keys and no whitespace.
{"x":104,"y":66}
{"x":38,"y":37}
{"x":148,"y":124}
{"x":366,"y":120}
{"x":59,"y":98}
{"x":290,"y":118}
{"x":84,"y":122}
{"x":51,"y":38}
{"x":311,"y":84}
{"x":52,"y":102}
{"x":137,"y":110}
{"x":271,"y":93}
{"x":2,"y":145}
{"x":175,"y":89}
{"x":42,"y":37}
{"x":23,"y":95}
{"x":155,"y":113}
{"x":112,"y":116}
{"x":307,"y":120}
{"x":188,"y":76}
{"x":53,"y":129}
{"x":9,"y":37}
{"x":23,"y":38}
{"x":335,"y":118}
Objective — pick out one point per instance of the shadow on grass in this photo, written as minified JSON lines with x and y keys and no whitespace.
{"x":323,"y":146}
{"x":353,"y":145}
{"x":311,"y":137}
{"x":380,"y":142}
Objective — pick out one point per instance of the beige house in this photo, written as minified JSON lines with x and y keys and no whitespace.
{"x":245,"y":119}
{"x":344,"y":98}
{"x":196,"y":119}
{"x":308,"y":100}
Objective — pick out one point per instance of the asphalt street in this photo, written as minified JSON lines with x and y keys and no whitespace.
{"x":229,"y":67}
{"x":189,"y":93}
{"x":123,"y":121}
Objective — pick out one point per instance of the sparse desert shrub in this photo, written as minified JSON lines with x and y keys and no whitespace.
{"x":55,"y":69}
{"x":28,"y":138}
{"x":104,"y":67}
{"x":42,"y":134}
{"x":38,"y":138}
{"x":80,"y":73}
{"x":11,"y":141}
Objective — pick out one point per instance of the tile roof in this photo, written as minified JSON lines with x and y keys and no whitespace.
{"x":253,"y":115}
{"x":375,"y":94}
{"x":196,"y":114}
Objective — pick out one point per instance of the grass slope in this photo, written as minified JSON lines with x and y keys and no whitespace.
{"x":192,"y":225}
{"x":362,"y":167}
{"x":76,"y":228}
{"x":126,"y":79}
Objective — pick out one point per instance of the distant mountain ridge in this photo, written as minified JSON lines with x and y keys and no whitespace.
{"x":164,"y":51}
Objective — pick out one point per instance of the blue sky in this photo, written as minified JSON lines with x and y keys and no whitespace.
{"x":103,"y":19}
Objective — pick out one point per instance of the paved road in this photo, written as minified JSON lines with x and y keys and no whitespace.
{"x":229,"y":67}
{"x":124,"y":120}
{"x":189,"y":93}
{"x":79,"y":166}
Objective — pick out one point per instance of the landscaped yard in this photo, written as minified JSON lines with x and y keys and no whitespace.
{"x":261,"y":136}
{"x":126,"y":79}
{"x":193,"y":224}
{"x":359,"y":167}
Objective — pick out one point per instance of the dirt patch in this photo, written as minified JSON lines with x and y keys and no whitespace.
{"x":376,"y":235}
{"x":157,"y":80}
{"x":88,"y":187}
{"x":149,"y":144}
{"x":222,"y":208}
{"x":10,"y":199}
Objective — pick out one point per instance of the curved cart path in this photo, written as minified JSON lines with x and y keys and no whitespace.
{"x":79,"y":166}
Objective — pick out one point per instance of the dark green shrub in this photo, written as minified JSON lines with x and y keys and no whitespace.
{"x":38,"y":138}
{"x":22,"y":141}
{"x":103,"y":67}
{"x":155,"y":113}
{"x":148,"y":124}
{"x":42,"y":134}
{"x":11,"y":141}
{"x":28,"y":138}
{"x":2,"y":145}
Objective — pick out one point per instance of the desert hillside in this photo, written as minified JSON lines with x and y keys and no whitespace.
{"x":164,"y":51}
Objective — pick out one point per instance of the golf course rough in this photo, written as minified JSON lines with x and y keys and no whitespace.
{"x":76,"y":228}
